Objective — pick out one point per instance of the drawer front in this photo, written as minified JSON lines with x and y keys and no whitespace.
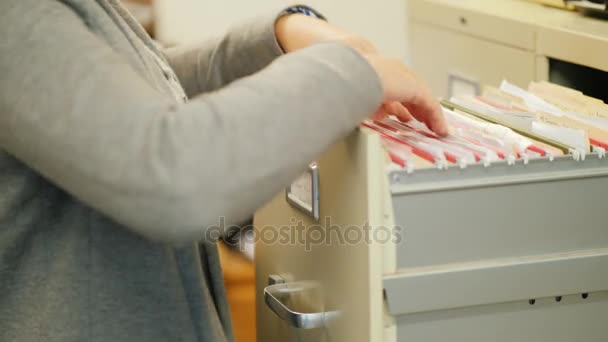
{"x":450,"y":61}
{"x":502,"y":212}
{"x":573,"y":318}
{"x":492,"y":282}
{"x":588,"y":50}
{"x":476,"y":18}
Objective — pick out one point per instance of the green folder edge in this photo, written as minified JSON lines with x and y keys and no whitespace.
{"x":452,"y":106}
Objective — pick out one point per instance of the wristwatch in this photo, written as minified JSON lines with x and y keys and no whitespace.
{"x":303,"y":9}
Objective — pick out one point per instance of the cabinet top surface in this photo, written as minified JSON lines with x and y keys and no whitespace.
{"x":530,"y":13}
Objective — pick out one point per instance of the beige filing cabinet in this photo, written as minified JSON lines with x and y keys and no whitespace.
{"x":461,"y":45}
{"x":488,"y":253}
{"x":499,"y":253}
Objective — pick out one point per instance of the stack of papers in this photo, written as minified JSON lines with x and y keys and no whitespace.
{"x":507,"y":124}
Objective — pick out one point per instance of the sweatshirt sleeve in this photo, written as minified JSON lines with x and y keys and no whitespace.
{"x":77,"y":113}
{"x":244,"y":50}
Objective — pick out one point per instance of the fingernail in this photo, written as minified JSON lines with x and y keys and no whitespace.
{"x":441,"y":129}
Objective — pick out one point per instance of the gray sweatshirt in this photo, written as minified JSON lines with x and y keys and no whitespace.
{"x":115,"y":158}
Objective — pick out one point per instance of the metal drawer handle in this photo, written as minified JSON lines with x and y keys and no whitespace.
{"x":303,"y":194}
{"x":276,"y":294}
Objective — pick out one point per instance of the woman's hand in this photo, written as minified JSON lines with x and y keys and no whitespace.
{"x":405,"y":96}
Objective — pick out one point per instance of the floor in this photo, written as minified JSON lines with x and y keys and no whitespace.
{"x":239,"y":279}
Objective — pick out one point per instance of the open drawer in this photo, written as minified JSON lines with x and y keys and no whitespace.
{"x":503,"y":253}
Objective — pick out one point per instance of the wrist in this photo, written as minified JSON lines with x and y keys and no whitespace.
{"x":298,"y":31}
{"x":291,"y":25}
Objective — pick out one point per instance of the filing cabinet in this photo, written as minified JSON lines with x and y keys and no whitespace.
{"x":454,"y":63}
{"x":485,"y":253}
{"x":460,"y":45}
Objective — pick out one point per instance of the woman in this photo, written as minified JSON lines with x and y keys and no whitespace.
{"x":115,"y":156}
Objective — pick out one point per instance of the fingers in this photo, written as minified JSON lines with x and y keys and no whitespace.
{"x":421,"y":105}
{"x":426,"y":108}
{"x":430,"y":113}
{"x":405,"y":95}
{"x":393,"y":108}
{"x":398,"y":110}
{"x":380,"y":113}
{"x":436,"y":121}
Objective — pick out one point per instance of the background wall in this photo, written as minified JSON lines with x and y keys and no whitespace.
{"x":381,"y":21}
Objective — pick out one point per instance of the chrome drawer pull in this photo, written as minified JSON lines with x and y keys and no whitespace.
{"x":278,"y":294}
{"x":303,"y":193}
